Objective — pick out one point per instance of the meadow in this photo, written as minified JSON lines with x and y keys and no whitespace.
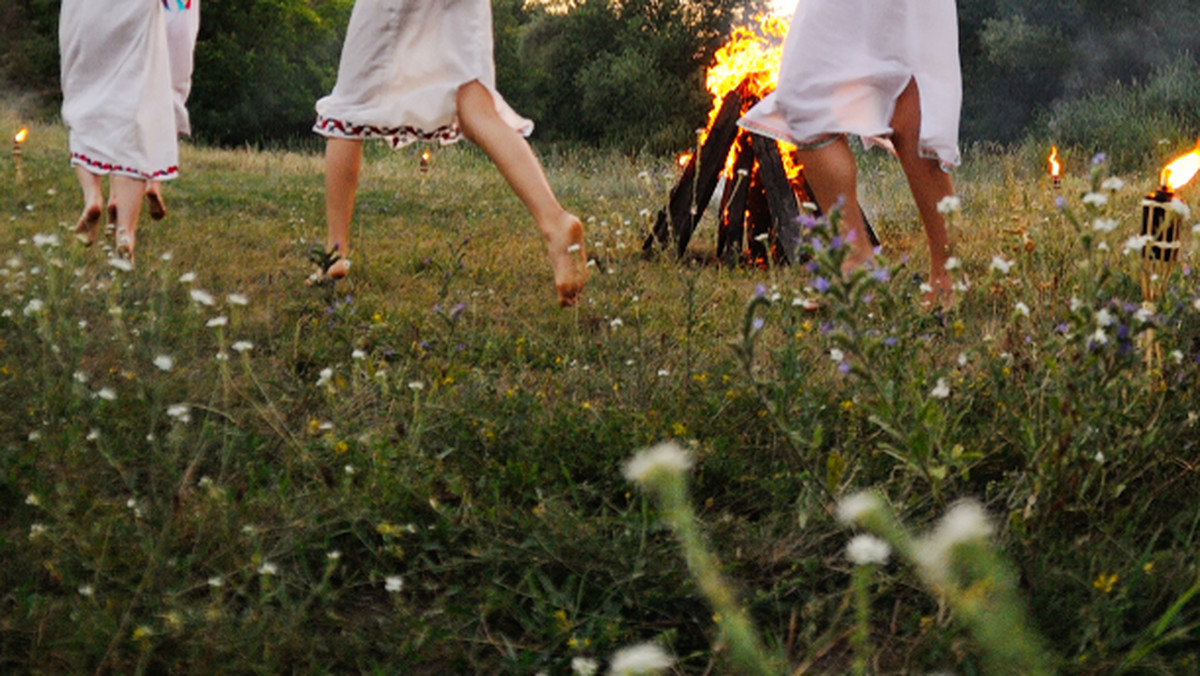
{"x":208,"y":466}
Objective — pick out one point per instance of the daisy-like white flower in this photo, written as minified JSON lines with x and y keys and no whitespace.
{"x":237,"y":299}
{"x":167,"y":255}
{"x":1143,"y":314}
{"x":242,"y":346}
{"x":1001,"y":265}
{"x":837,"y":355}
{"x":215,"y":581}
{"x":1021,"y":309}
{"x":952,"y":263}
{"x":217,"y":321}
{"x":202,"y":297}
{"x":50,"y":240}
{"x":949,"y":204}
{"x":358,"y":355}
{"x":667,"y":456}
{"x":640,"y":659}
{"x":180,"y":412}
{"x":866,"y":550}
{"x":325,"y":377}
{"x":853,"y":508}
{"x":1097,"y":199}
{"x":34,"y":306}
{"x":1105,"y":318}
{"x":663,"y":373}
{"x":333,"y":555}
{"x":187,"y":278}
{"x":616,"y":323}
{"x":86,"y":590}
{"x":393,"y":584}
{"x":122,"y":264}
{"x":1176,"y":356}
{"x":106,"y":393}
{"x":268,"y":568}
{"x":1135,"y":243}
{"x":1099,"y":337}
{"x":416,"y":385}
{"x":941,"y":390}
{"x":164,"y":362}
{"x":1112,"y":183}
{"x":92,"y":435}
{"x":33,"y":500}
{"x":584,"y":666}
{"x":1104,"y":224}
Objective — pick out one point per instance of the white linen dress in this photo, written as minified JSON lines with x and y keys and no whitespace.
{"x":401,"y":66}
{"x":117,"y":88}
{"x":846,"y":61}
{"x":183,"y":25}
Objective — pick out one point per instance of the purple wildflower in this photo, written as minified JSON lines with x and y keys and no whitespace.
{"x":821,"y":284}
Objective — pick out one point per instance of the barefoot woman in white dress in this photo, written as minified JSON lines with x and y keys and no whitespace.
{"x":420,"y":70}
{"x":876,"y":69}
{"x":117,"y":108}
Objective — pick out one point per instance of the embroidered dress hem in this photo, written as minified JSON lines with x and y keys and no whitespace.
{"x":103,"y":168}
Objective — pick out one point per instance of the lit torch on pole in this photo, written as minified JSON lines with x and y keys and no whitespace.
{"x":1162,"y":222}
{"x":425,"y":162}
{"x":1054,"y":168}
{"x":18,"y":149}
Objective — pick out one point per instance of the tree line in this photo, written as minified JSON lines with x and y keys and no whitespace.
{"x":629,"y":73}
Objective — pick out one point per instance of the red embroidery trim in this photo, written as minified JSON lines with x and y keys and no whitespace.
{"x":399,"y":136}
{"x":109,"y":167}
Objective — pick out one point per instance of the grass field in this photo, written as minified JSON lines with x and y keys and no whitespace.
{"x":206,"y":465}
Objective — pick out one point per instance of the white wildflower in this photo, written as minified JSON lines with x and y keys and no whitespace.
{"x":34,"y":306}
{"x":1097,"y":199}
{"x":33,"y":500}
{"x":167,"y":255}
{"x":216,"y":581}
{"x":202,"y":297}
{"x":1104,"y":224}
{"x":1000,"y":264}
{"x":50,"y":240}
{"x":949,"y":204}
{"x":966,"y":522}
{"x":1112,"y":183}
{"x":837,"y":355}
{"x":217,"y":321}
{"x":35,"y":435}
{"x":1176,"y":356}
{"x":1099,"y":337}
{"x":187,"y":278}
{"x":952,"y":263}
{"x":416,"y":385}
{"x":866,"y":550}
{"x":617,"y":322}
{"x":242,"y":346}
{"x":333,"y":555}
{"x":181,"y":412}
{"x":1099,"y":457}
{"x":237,"y":299}
{"x":86,"y":590}
{"x":584,"y":666}
{"x":941,"y":390}
{"x":1180,"y":207}
{"x":325,"y":377}
{"x":1135,"y":243}
{"x":107,"y":394}
{"x":853,"y":508}
{"x":663,"y":373}
{"x":1021,"y":309}
{"x":268,"y":568}
{"x":640,"y":659}
{"x":36,"y":531}
{"x":1105,"y":318}
{"x":164,"y":362}
{"x":393,"y":584}
{"x":1143,"y":314}
{"x":358,"y":355}
{"x":122,"y":264}
{"x":667,"y":456}
{"x":92,"y":435}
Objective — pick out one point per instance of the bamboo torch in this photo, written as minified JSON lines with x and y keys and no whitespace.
{"x":18,"y":150}
{"x":1162,"y":224}
{"x":1055,"y":169}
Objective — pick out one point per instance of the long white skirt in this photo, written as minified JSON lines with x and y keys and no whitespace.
{"x":117,"y":88}
{"x":183,"y":25}
{"x":402,"y":64}
{"x":846,"y":61}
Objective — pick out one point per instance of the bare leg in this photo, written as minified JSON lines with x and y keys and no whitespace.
{"x":93,"y":200}
{"x":343,"y":159}
{"x":154,"y":200}
{"x":929,"y":185}
{"x":833,"y":177}
{"x":127,"y":195}
{"x":561,"y":230}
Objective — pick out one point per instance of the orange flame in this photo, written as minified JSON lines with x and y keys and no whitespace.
{"x":1052,"y":162}
{"x":683,"y":159}
{"x":754,"y":52}
{"x":21,"y":136}
{"x":1181,"y":170}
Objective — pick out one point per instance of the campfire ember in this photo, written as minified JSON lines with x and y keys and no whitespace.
{"x":764,"y":184}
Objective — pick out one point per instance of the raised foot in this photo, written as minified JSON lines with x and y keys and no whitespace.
{"x":126,"y":241}
{"x":940,"y":294}
{"x":88,"y":227}
{"x":568,"y":259}
{"x":330,"y":272}
{"x":155,"y":205}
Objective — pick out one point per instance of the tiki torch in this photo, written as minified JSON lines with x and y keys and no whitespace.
{"x":1162,"y":223}
{"x":425,"y":162}
{"x":1054,"y":168}
{"x":18,"y":149}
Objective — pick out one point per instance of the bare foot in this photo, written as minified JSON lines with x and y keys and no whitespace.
{"x":88,"y":226}
{"x":155,"y":205}
{"x":126,"y":241}
{"x":331,"y":272}
{"x":940,"y":295}
{"x":568,"y":259}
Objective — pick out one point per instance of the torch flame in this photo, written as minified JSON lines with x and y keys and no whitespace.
{"x":1052,"y":162}
{"x":21,"y":135}
{"x":1181,"y":170}
{"x":683,"y":159}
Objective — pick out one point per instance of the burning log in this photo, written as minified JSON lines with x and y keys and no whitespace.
{"x":695,"y":188}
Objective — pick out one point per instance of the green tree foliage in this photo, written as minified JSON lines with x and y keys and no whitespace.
{"x":262,"y":64}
